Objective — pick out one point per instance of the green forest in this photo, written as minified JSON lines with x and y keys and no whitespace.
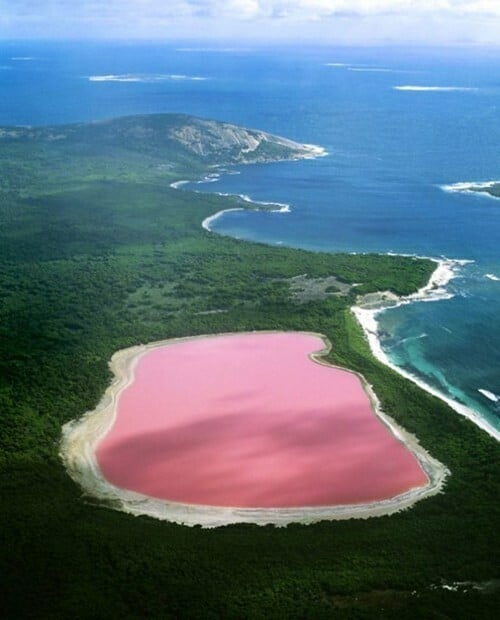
{"x":99,"y":253}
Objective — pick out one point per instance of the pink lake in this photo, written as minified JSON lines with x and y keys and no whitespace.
{"x":249,"y":420}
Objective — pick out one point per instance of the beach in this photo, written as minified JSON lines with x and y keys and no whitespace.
{"x":278,"y":208}
{"x":208,"y":221}
{"x":435,"y":290}
{"x":312,"y":151}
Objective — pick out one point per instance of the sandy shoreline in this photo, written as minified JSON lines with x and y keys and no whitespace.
{"x":80,"y":438}
{"x":435,"y":290}
{"x":312,"y":151}
{"x":211,"y":218}
{"x":280,"y":208}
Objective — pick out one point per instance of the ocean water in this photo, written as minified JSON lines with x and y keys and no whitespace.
{"x":398,"y":125}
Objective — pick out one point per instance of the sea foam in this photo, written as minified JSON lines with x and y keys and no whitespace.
{"x":365,"y":68}
{"x":146,"y":78}
{"x":435,"y":290}
{"x":312,"y":151}
{"x":434,"y":89}
{"x":489,"y":395}
{"x":177,"y":184}
{"x":470,"y":187}
{"x":221,"y":50}
{"x":375,"y":70}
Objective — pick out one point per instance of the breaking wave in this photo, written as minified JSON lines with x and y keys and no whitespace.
{"x":146,"y":78}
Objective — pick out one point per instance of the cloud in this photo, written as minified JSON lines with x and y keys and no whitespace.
{"x":334,"y":20}
{"x":243,"y":9}
{"x":314,"y":9}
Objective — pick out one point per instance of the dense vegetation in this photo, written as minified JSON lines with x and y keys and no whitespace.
{"x":493,"y":190}
{"x":98,"y":253}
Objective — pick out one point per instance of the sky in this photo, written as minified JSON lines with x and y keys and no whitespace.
{"x":341,"y":22}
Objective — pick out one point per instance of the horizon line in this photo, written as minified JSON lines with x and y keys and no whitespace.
{"x":220,"y":43}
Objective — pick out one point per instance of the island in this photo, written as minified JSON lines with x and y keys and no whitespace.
{"x":487,"y":188}
{"x":100,"y":253}
{"x":492,"y":189}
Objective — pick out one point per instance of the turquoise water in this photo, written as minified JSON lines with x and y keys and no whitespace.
{"x":379,"y":188}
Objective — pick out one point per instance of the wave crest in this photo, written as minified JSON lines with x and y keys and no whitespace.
{"x":489,"y":395}
{"x":470,"y":187}
{"x":146,"y":78}
{"x":434,"y":89}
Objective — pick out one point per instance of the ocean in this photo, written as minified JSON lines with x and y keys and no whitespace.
{"x":399,"y":126}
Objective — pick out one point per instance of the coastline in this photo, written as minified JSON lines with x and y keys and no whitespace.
{"x":312,"y":151}
{"x":315,"y":151}
{"x":479,"y":188}
{"x":81,"y":437}
{"x":211,"y":218}
{"x":281,"y":208}
{"x":434,"y":290}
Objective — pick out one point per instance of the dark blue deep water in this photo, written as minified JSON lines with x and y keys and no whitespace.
{"x":379,"y":189}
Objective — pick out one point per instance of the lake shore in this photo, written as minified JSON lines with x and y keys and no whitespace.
{"x":81,"y":437}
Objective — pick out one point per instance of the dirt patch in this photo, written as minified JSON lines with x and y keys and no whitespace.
{"x":304,"y":289}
